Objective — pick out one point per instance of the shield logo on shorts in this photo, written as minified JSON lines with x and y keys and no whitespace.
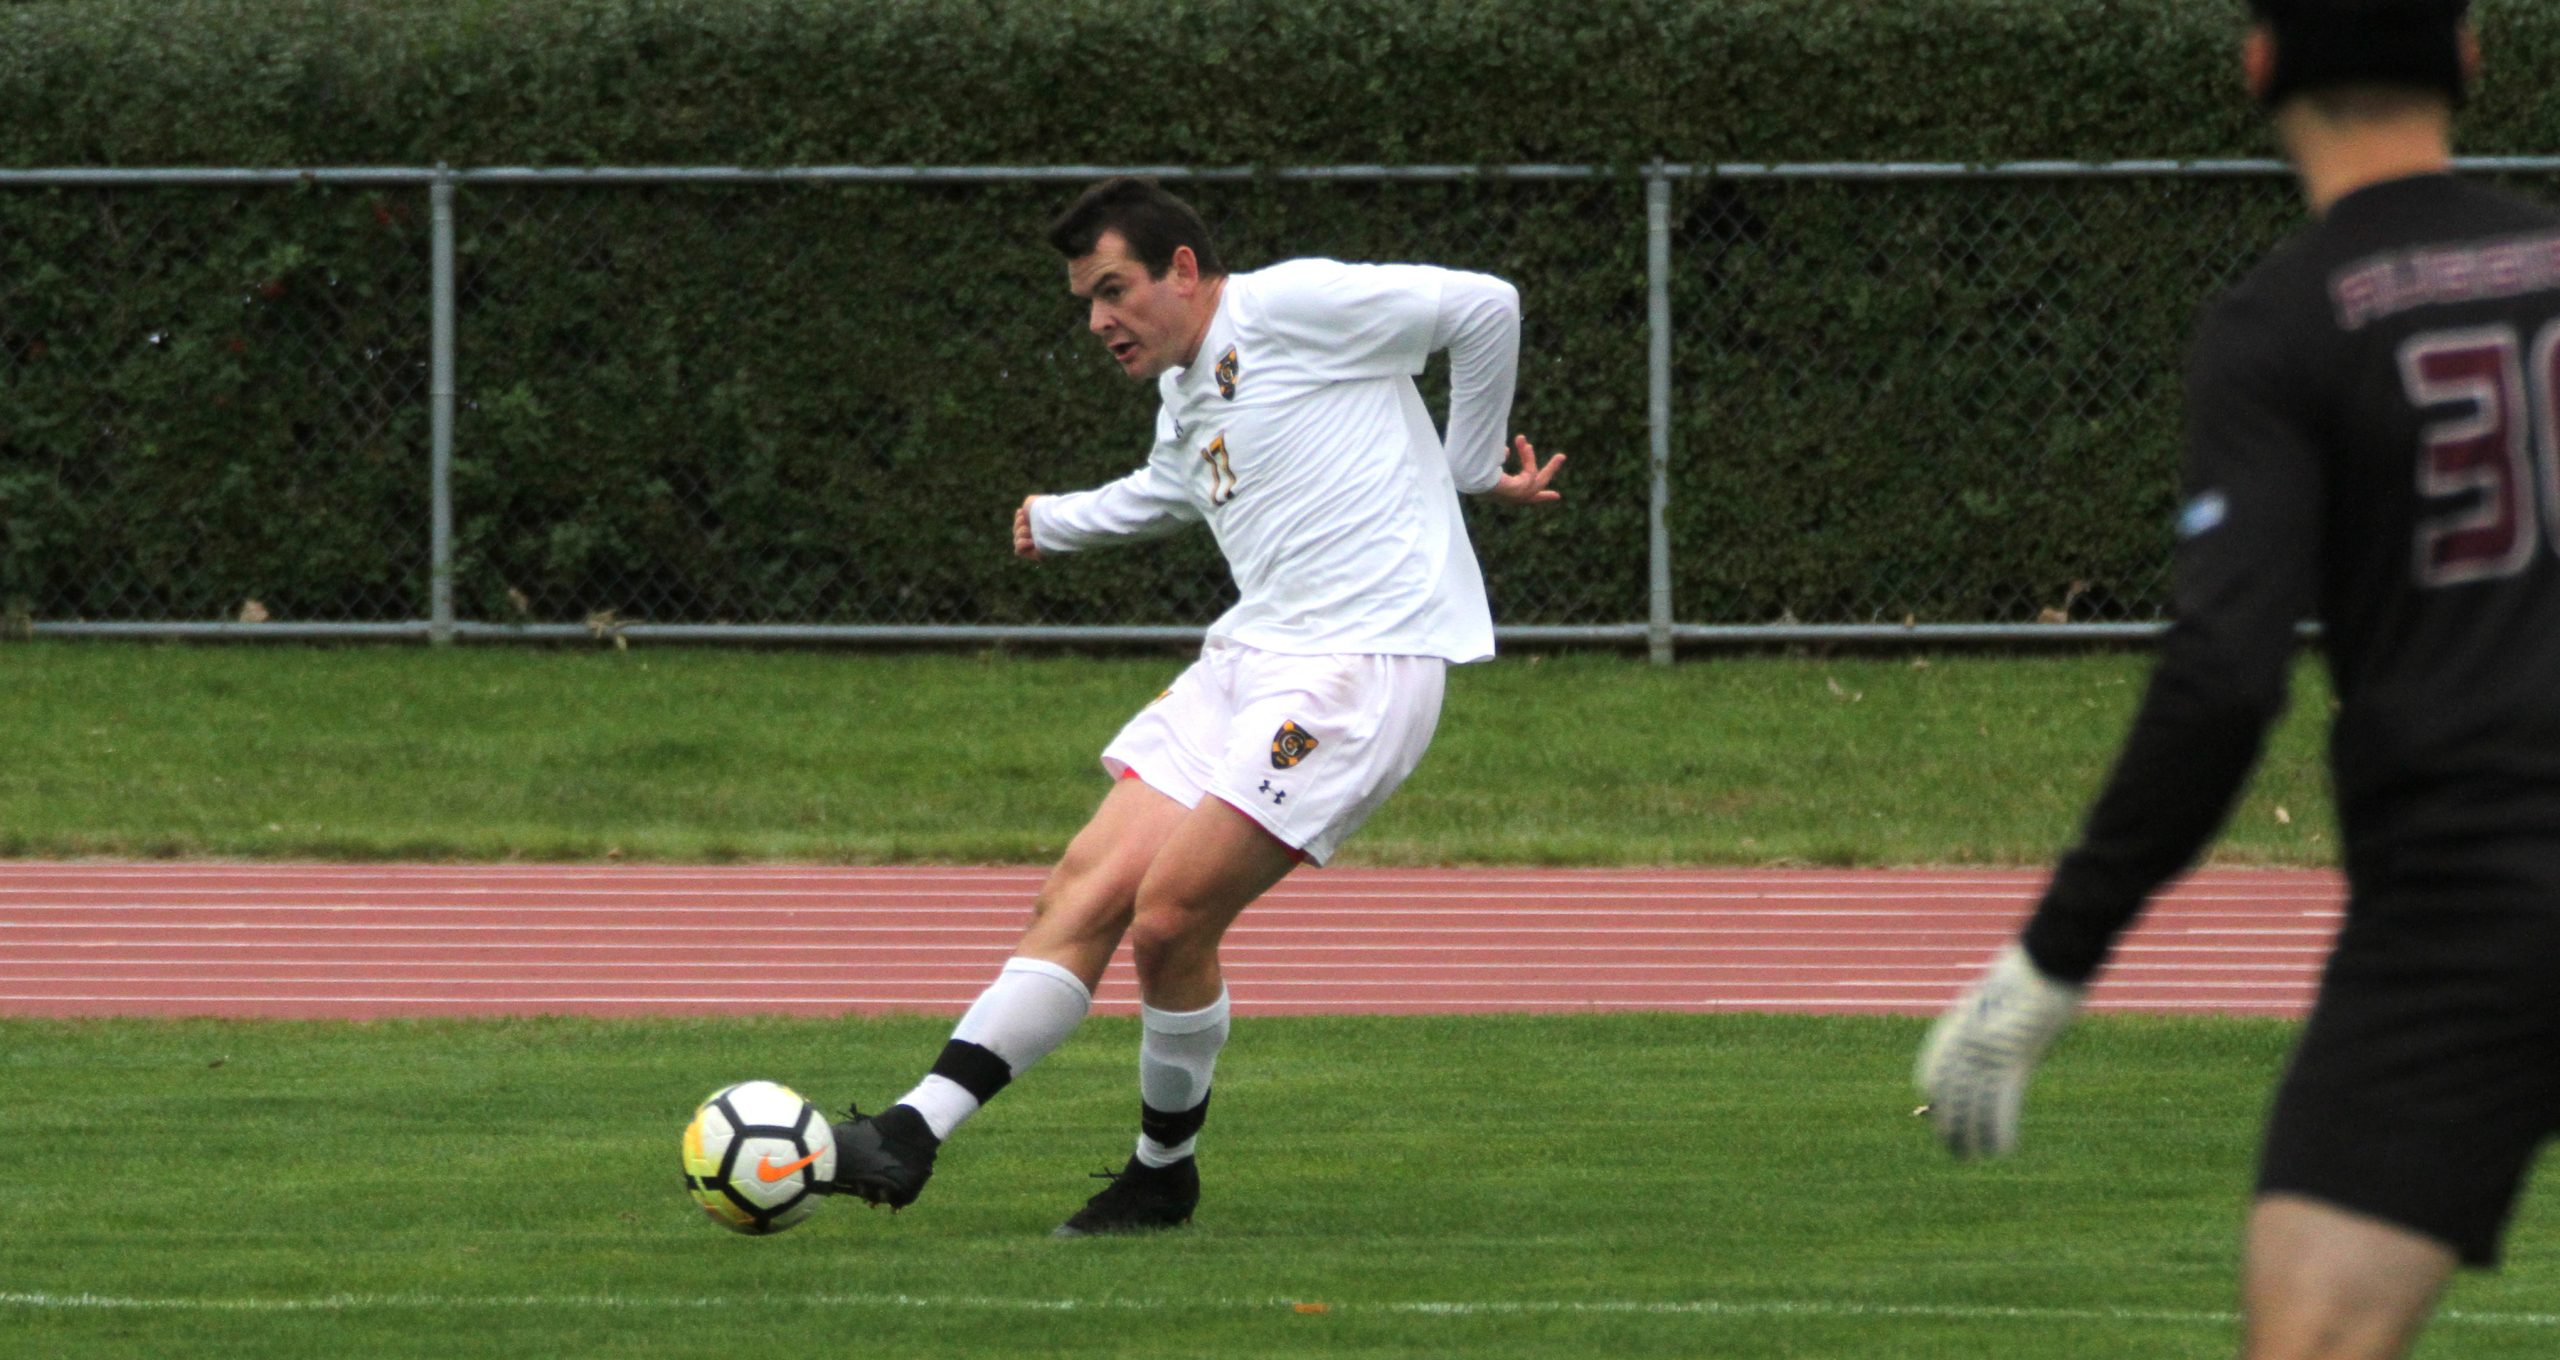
{"x":1290,"y":745}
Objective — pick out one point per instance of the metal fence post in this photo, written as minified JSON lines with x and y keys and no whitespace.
{"x":440,"y":629}
{"x":1657,"y":268}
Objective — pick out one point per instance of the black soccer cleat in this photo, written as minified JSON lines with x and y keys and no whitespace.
{"x":884,"y":1158}
{"x":1139,"y":1199}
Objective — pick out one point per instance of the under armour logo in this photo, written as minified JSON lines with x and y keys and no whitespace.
{"x":1278,"y":796}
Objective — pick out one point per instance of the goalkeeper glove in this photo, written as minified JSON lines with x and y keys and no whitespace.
{"x":1973,"y":1069}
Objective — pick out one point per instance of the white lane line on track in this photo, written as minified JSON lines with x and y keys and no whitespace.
{"x":1316,"y":884}
{"x":1956,"y":969}
{"x":2159,"y":929}
{"x":1431,"y":1308}
{"x":1266,"y":995}
{"x":959,"y":996}
{"x":947,"y":934}
{"x":1416,"y":902}
{"x":1782,"y":904}
{"x":1034,"y":872}
{"x":2133,"y":954}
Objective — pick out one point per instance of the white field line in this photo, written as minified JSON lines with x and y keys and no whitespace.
{"x":910,"y":911}
{"x":1107,"y":1002}
{"x":1316,"y":884}
{"x":530,"y":989}
{"x":1820,"y":1309}
{"x":909,"y":869}
{"x":1957,"y":966}
{"x":942,"y":930}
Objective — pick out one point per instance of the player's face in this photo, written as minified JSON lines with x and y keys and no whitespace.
{"x":1145,"y":322}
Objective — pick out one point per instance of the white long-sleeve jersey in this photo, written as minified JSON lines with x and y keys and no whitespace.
{"x":1297,"y":434}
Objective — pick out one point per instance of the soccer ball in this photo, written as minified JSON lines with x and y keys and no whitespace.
{"x":755,"y":1155}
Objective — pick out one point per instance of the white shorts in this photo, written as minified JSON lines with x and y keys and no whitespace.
{"x":1308,"y":746}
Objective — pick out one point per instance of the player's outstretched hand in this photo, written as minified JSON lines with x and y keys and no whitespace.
{"x":1528,"y":486}
{"x":1973,"y":1069}
{"x":1023,"y":547}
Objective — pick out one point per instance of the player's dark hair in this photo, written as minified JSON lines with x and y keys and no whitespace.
{"x":2334,"y":49}
{"x":1153,"y":222}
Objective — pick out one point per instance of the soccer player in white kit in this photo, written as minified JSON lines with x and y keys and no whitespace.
{"x":1290,"y":426}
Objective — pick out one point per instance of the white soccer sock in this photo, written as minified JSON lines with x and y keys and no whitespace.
{"x":1030,"y":1009}
{"x":1176,"y":1059}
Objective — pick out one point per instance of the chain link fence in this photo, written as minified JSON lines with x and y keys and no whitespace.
{"x":705,"y":404}
{"x":2027,"y":333}
{"x":144,"y":341}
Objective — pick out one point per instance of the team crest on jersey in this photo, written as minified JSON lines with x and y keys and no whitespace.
{"x":1290,"y":745}
{"x":1226,"y":373}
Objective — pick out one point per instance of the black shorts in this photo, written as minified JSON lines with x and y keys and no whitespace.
{"x":2429,"y":1073}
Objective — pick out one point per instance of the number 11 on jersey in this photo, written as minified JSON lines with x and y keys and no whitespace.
{"x":1222,"y":476}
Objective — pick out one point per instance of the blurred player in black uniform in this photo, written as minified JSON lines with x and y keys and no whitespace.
{"x":2374,"y":441}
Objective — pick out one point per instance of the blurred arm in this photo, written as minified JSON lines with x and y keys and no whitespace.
{"x":1144,"y":504}
{"x":2245,"y":574}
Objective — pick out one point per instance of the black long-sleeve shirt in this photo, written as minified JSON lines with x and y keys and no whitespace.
{"x":2374,"y":441}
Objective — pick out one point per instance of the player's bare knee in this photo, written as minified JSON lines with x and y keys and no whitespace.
{"x":1153,"y":940}
{"x":1166,"y":941}
{"x":2313,"y":1315}
{"x":2327,"y":1337}
{"x":2323,"y":1285}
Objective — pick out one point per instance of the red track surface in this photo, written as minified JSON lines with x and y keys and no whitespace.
{"x":315,"y":940}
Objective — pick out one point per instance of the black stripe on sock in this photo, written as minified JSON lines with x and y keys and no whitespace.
{"x":978,"y":1070}
{"x":1172,"y":1128}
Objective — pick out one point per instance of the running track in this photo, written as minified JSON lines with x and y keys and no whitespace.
{"x":357,"y":942}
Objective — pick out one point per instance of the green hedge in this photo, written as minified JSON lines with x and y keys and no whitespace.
{"x":151,"y":82}
{"x":1949,"y":401}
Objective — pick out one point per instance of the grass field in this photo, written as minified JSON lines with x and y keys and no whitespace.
{"x":1557,"y":1186}
{"x":1502,"y":1187}
{"x":697,"y":755}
